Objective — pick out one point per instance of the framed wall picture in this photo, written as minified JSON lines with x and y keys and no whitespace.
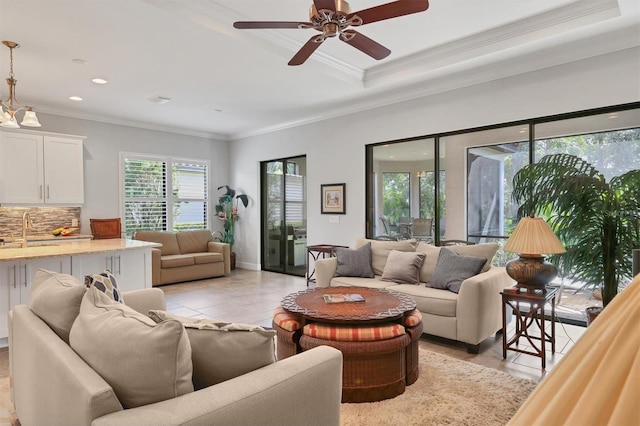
{"x":333,"y":201}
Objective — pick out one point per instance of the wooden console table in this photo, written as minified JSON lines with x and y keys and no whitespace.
{"x":315,"y":251}
{"x":535,"y":302}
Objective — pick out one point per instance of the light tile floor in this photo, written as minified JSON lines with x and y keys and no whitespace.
{"x":251,"y":297}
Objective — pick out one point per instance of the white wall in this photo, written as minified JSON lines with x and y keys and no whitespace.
{"x":335,"y":148}
{"x":103,"y":144}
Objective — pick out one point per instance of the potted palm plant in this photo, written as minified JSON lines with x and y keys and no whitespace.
{"x":597,"y":221}
{"x":227,"y":211}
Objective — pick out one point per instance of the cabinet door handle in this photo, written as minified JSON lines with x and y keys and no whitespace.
{"x":25,"y":274}
{"x":15,"y":280}
{"x":48,"y":193}
{"x":119,"y":265}
{"x":40,"y":196}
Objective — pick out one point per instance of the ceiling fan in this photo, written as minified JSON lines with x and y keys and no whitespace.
{"x":334,"y":18}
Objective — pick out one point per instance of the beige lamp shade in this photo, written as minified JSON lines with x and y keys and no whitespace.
{"x":533,"y":236}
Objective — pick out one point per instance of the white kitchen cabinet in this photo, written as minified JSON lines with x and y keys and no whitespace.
{"x":41,"y":168}
{"x":132,"y":268}
{"x":15,"y":282}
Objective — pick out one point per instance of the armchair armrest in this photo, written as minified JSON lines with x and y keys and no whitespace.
{"x":145,"y":300}
{"x":479,"y":308}
{"x":302,"y":389}
{"x":325,"y":271}
{"x":225,"y":249}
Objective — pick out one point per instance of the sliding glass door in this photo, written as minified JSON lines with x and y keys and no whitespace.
{"x":284,"y":210}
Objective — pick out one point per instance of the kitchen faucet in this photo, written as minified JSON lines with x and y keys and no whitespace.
{"x":26,"y":224}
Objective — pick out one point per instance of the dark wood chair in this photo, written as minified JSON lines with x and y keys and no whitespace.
{"x":106,"y":228}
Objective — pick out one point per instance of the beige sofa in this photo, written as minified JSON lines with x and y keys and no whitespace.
{"x":469,"y":316}
{"x":186,"y":256}
{"x":52,"y":385}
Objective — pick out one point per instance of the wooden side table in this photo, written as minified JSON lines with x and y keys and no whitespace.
{"x":315,"y":251}
{"x":535,"y":302}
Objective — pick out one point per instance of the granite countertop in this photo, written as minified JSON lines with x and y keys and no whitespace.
{"x":47,"y":237}
{"x":68,"y":248}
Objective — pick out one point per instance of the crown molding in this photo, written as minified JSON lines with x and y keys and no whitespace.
{"x":555,"y":21}
{"x":132,"y":123}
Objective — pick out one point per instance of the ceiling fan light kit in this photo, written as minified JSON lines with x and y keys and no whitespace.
{"x":8,"y":117}
{"x":334,"y":18}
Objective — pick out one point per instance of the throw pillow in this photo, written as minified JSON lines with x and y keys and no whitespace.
{"x":486,"y":250}
{"x":56,"y":298}
{"x":106,"y":283}
{"x":142,"y":361}
{"x":403,"y":267}
{"x":453,"y":268}
{"x":354,"y":262}
{"x":221,"y":351}
{"x":380,"y":251}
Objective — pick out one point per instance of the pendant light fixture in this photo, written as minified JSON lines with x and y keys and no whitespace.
{"x":11,"y":106}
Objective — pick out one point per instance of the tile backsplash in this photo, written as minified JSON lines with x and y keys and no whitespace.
{"x":45,"y":219}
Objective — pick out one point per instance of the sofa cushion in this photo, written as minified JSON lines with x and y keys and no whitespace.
{"x":56,"y":298}
{"x":106,"y":283}
{"x":194,"y":241}
{"x":486,"y":250}
{"x":176,"y":260}
{"x":221,"y":351}
{"x":354,"y":262}
{"x":360,"y":282}
{"x":348,"y":333}
{"x":403,"y":267}
{"x":453,"y":268}
{"x":431,"y":300}
{"x":167,"y":239}
{"x":380,"y":251}
{"x":142,"y":361}
{"x":431,"y":260}
{"x":200,"y":258}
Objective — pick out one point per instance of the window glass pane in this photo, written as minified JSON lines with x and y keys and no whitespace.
{"x":146,"y":194}
{"x":395,"y":198}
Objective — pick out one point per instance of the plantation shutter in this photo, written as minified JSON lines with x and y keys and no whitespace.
{"x":145,"y":194}
{"x":190,"y":195}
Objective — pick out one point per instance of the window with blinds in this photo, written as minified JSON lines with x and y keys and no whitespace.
{"x":154,"y":199}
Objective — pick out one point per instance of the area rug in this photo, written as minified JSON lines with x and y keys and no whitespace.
{"x":448,"y":392}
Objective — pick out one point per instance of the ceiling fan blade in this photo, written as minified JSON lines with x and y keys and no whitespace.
{"x":248,"y":25}
{"x":365,"y":44}
{"x":325,"y":4}
{"x":391,"y":10}
{"x":306,"y":50}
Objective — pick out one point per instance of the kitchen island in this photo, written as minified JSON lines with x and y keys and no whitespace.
{"x":128,"y":260}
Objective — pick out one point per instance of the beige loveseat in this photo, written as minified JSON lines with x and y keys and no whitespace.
{"x":186,"y":256}
{"x":469,"y":316}
{"x":53,"y":385}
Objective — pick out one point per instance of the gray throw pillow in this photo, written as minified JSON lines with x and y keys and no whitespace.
{"x":403,"y":267}
{"x":354,"y":262}
{"x":221,"y":351}
{"x":453,"y":268}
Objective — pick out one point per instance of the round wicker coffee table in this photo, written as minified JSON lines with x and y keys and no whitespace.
{"x":375,"y":368}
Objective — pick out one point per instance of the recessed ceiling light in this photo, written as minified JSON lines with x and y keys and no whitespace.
{"x":75,"y":98}
{"x":79,"y":61}
{"x":99,"y":80}
{"x":217,"y":110}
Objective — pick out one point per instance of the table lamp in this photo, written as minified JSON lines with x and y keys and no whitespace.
{"x":530,"y":239}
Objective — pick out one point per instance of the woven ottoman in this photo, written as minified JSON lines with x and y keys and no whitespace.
{"x":379,"y":360}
